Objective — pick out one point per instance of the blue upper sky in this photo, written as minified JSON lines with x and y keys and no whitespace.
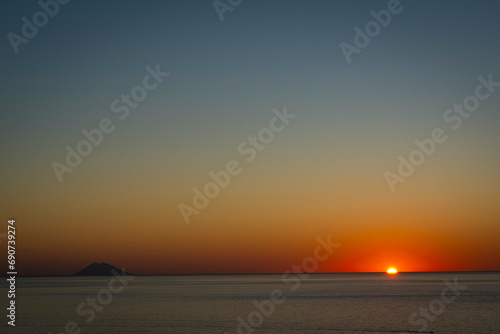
{"x":228,"y":74}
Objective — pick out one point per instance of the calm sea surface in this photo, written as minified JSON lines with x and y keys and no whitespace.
{"x":322,"y":303}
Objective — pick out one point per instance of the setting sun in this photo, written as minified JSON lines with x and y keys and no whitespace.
{"x":392,"y":271}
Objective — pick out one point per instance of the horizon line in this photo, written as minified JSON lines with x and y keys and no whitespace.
{"x":275,"y":273}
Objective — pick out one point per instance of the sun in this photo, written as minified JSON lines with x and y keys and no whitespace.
{"x":392,"y":271}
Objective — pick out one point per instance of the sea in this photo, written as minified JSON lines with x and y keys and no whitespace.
{"x":448,"y":303}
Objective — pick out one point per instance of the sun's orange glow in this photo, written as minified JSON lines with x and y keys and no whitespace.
{"x":392,"y":271}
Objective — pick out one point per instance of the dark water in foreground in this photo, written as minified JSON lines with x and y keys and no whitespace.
{"x":323,"y":303}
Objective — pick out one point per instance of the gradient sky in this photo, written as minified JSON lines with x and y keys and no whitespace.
{"x":323,"y":175}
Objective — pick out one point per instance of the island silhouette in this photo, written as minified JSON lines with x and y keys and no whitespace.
{"x":99,"y":269}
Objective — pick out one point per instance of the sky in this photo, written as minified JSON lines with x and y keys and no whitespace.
{"x":323,"y":173}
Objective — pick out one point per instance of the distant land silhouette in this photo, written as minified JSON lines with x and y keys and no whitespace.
{"x":99,"y":269}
